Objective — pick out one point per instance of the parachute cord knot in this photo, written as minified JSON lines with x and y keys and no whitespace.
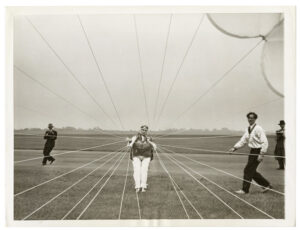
{"x":263,"y":37}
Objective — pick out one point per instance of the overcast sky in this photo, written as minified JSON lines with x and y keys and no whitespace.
{"x":114,"y":43}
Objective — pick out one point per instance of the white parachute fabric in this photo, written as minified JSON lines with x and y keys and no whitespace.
{"x":247,"y":25}
{"x":272,"y":60}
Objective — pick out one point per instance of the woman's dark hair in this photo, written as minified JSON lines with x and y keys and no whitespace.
{"x":144,"y":126}
{"x":252,"y":113}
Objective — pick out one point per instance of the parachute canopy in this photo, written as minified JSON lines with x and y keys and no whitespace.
{"x":272,"y":60}
{"x":248,"y":25}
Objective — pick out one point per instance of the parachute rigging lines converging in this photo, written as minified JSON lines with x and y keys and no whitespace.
{"x":179,"y":68}
{"x":70,"y":71}
{"x":100,"y":72}
{"x":162,"y":69}
{"x":141,"y":70}
{"x":54,"y":93}
{"x":267,"y":26}
{"x":263,"y":31}
{"x":154,"y":70}
{"x":216,"y":82}
{"x":177,"y":58}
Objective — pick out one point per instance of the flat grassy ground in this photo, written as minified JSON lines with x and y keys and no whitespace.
{"x":87,"y":194}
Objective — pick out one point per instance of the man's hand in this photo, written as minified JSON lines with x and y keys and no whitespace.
{"x":232,"y":150}
{"x":260,"y":158}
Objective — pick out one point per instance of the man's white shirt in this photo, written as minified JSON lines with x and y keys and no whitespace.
{"x":256,"y":139}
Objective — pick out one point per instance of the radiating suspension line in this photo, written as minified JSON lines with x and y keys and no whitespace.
{"x":162,"y":68}
{"x":59,"y":96}
{"x":100,"y":72}
{"x":217,"y":169}
{"x":263,"y":38}
{"x":178,"y":70}
{"x":182,"y":131}
{"x":70,"y":72}
{"x":177,"y":162}
{"x":141,"y":70}
{"x":265,"y":103}
{"x":66,"y":173}
{"x":36,"y":112}
{"x":53,"y":92}
{"x":216,"y":82}
{"x":211,"y":192}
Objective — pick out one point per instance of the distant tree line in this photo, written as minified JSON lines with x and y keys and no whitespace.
{"x":98,"y":130}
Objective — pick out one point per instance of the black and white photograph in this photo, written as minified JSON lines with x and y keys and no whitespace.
{"x":152,"y":116}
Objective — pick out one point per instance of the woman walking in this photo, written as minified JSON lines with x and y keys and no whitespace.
{"x":141,"y":154}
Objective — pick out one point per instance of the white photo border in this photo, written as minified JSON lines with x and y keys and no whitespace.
{"x":289,"y":104}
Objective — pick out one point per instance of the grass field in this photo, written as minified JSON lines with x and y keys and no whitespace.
{"x":97,"y":183}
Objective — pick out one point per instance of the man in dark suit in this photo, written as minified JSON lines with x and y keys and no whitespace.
{"x":50,"y":137}
{"x":279,"y":149}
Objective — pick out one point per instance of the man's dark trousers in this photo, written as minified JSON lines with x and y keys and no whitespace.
{"x":47,"y":149}
{"x":281,"y":162}
{"x":251,"y":173}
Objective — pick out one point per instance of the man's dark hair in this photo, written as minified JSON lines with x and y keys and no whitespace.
{"x":252,"y":113}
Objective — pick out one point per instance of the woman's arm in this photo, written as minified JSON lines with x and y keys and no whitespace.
{"x":133,"y":139}
{"x":152,"y":143}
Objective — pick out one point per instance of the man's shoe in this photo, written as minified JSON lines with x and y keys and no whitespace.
{"x":280,"y":168}
{"x":266,"y":189}
{"x":240,"y":192}
{"x":51,"y":161}
{"x":143,"y":189}
{"x":137,"y":190}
